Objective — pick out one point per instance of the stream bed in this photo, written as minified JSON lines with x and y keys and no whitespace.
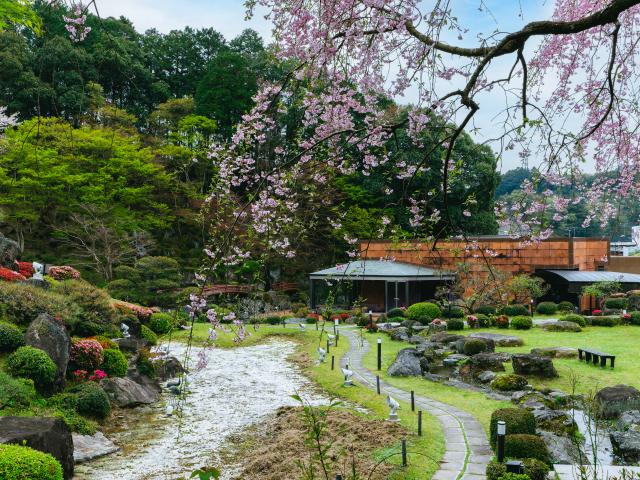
{"x":238,"y":388}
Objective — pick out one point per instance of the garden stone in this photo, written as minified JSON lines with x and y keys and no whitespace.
{"x":409,"y":323}
{"x":562,"y":326}
{"x":629,"y":421}
{"x":488,"y":361}
{"x":527,"y":364}
{"x":490,"y":345}
{"x":518,"y":396}
{"x":416,"y":339}
{"x":406,"y":364}
{"x":434,"y":377}
{"x":128,"y":344}
{"x":50,"y":336}
{"x":39,"y":283}
{"x":89,"y":447}
{"x":562,"y":450}
{"x":500,"y":340}
{"x":446,"y":337}
{"x":168,"y":367}
{"x":486,"y":377}
{"x":50,"y":435}
{"x":626,"y":445}
{"x":556,"y":352}
{"x":125,"y":393}
{"x":424,"y":364}
{"x":615,"y":400}
{"x":9,"y":252}
{"x":400,"y":334}
{"x":453,"y":360}
{"x":420,"y":328}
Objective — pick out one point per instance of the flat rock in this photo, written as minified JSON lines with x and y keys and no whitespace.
{"x":500,"y":339}
{"x":400,"y":334}
{"x":555,"y":352}
{"x":406,"y":364}
{"x":89,"y":447}
{"x":124,"y":392}
{"x":453,"y":360}
{"x":445,"y":337}
{"x":617,"y":399}
{"x":9,"y":251}
{"x":486,"y":376}
{"x":626,"y":445}
{"x":527,"y":364}
{"x":168,"y":367}
{"x":629,"y":420}
{"x":50,"y":336}
{"x":562,"y":450}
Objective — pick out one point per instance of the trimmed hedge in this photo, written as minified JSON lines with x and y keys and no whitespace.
{"x":575,"y":318}
{"x":148,"y":335}
{"x":605,"y":321}
{"x":97,"y":314}
{"x":114,"y":363}
{"x":616,"y":303}
{"x":484,"y":321}
{"x":34,"y":364}
{"x":566,"y":306}
{"x":518,"y":420}
{"x":513,"y":310}
{"x":92,"y":400}
{"x":23,"y":303}
{"x":160,"y":323}
{"x":521,"y":322}
{"x":24,"y":463}
{"x":11,"y":337}
{"x":423,"y":310}
{"x":522,"y":445}
{"x":536,"y":469}
{"x":495,"y":470}
{"x":486,"y":310}
{"x":395,"y":312}
{"x":515,"y":476}
{"x":455,"y":324}
{"x":509,"y":383}
{"x":547,"y":308}
{"x":456,"y":312}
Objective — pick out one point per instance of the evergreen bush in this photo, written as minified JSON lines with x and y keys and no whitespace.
{"x":547,"y":308}
{"x":24,"y":463}
{"x":513,"y":310}
{"x":521,"y":322}
{"x":11,"y":337}
{"x":423,"y":310}
{"x":518,"y":420}
{"x":34,"y":364}
{"x":522,"y":445}
{"x":160,"y":323}
{"x":114,"y":363}
{"x":455,"y":324}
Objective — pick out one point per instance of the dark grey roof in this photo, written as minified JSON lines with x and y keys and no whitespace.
{"x":582,"y":276}
{"x":382,"y":270}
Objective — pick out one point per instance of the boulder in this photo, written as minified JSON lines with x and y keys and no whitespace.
{"x":49,"y":335}
{"x":629,"y":421}
{"x":528,"y":364}
{"x":490,"y":345}
{"x":406,"y":364}
{"x":168,"y":367}
{"x":500,"y":340}
{"x":50,"y":435}
{"x":128,"y":344}
{"x":486,"y":377}
{"x":626,"y":445}
{"x":562,"y":450}
{"x":614,"y":400}
{"x":125,"y":392}
{"x":445,"y":337}
{"x":409,"y":323}
{"x":488,"y":361}
{"x":89,"y":447}
{"x":400,"y":334}
{"x":417,"y":339}
{"x":9,"y":252}
{"x":555,"y":352}
{"x":562,"y":326}
{"x":38,"y":282}
{"x":453,"y":360}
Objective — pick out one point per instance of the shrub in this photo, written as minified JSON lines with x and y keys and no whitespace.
{"x":562,"y":327}
{"x":474,"y":346}
{"x":615,"y":303}
{"x":513,"y":310}
{"x":456,"y":312}
{"x":63,"y":272}
{"x":15,"y":393}
{"x":495,"y":470}
{"x":114,"y":363}
{"x":634,"y":318}
{"x":395,"y":312}
{"x":575,"y":318}
{"x":10,"y":337}
{"x":483,"y":320}
{"x":423,"y":309}
{"x":86,"y":354}
{"x":397,"y":319}
{"x":605,"y":321}
{"x":96,"y":312}
{"x":547,"y":308}
{"x":161,"y":323}
{"x":34,"y":364}
{"x":522,"y":445}
{"x":502,"y":321}
{"x":566,"y":306}
{"x":23,"y":463}
{"x":145,"y":365}
{"x":515,"y":476}
{"x":455,"y":324}
{"x":486,"y":310}
{"x":521,"y":322}
{"x":23,"y":303}
{"x":472,"y":321}
{"x":518,"y":420}
{"x":509,"y":383}
{"x":26,"y":269}
{"x":152,"y":281}
{"x":105,"y":342}
{"x":148,"y":335}
{"x":92,"y":400}
{"x":275,"y":320}
{"x":8,"y":275}
{"x":535,"y":469}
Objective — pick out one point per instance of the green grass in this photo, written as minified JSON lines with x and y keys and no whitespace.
{"x":424,"y":452}
{"x":226,"y":340}
{"x":477,"y":404}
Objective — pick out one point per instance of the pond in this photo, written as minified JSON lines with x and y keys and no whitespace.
{"x":238,"y":388}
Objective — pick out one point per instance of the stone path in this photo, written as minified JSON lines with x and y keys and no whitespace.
{"x":467,"y":450}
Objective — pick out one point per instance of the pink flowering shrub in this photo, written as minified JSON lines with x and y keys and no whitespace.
{"x":80,"y":375}
{"x":597,"y":311}
{"x":64,"y":272}
{"x":472,"y":320}
{"x":86,"y":354}
{"x":97,"y":376}
{"x":127,"y":308}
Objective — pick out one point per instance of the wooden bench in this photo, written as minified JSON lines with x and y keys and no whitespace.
{"x":596,"y":356}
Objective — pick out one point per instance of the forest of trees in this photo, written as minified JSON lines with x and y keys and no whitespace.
{"x":110,"y":161}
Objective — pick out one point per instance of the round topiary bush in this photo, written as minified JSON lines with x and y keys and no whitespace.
{"x":522,"y":445}
{"x":16,"y":393}
{"x":92,"y":400}
{"x":521,"y":322}
{"x":474,"y":346}
{"x":535,"y":469}
{"x":513,"y":310}
{"x":486,"y":310}
{"x":615,"y":303}
{"x":24,"y":463}
{"x":495,"y":470}
{"x":575,"y":318}
{"x":518,"y":420}
{"x":547,"y":308}
{"x":34,"y":364}
{"x":423,"y":309}
{"x":634,"y":318}
{"x":456,"y":312}
{"x":484,"y":321}
{"x":509,"y":383}
{"x":502,"y":321}
{"x":160,"y":323}
{"x":10,"y":337}
{"x":455,"y":324}
{"x":148,"y":335}
{"x":395,"y":312}
{"x":566,"y":307}
{"x":114,"y":363}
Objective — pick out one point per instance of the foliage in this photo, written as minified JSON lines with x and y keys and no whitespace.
{"x":151,"y":281}
{"x":145,"y":365}
{"x":518,"y":420}
{"x":604,"y":321}
{"x":616,"y":303}
{"x":483,"y":320}
{"x":455,"y":324}
{"x":396,"y":312}
{"x":547,"y":308}
{"x":15,"y":393}
{"x":22,"y":463}
{"x":536,"y":469}
{"x":64,"y":272}
{"x":575,"y":318}
{"x":34,"y":364}
{"x":521,"y":322}
{"x":474,"y":346}
{"x":601,"y":289}
{"x":566,"y":306}
{"x":114,"y":363}
{"x":86,"y":354}
{"x":634,"y":318}
{"x":148,"y":335}
{"x":161,"y":323}
{"x":513,"y":310}
{"x":524,"y":445}
{"x":423,"y":309}
{"x":23,"y":303}
{"x":509,"y":382}
{"x":502,"y":321}
{"x":94,"y":305}
{"x":495,"y":470}
{"x":9,"y":275}
{"x":486,"y":310}
{"x":524,"y":287}
{"x":515,"y":476}
{"x":92,"y":400}
{"x":456,"y":312}
{"x":11,"y":337}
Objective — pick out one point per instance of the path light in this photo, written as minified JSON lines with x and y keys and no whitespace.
{"x":321,"y":354}
{"x":331,"y":339}
{"x":347,"y":377}
{"x":502,"y":431}
{"x":336,"y":322}
{"x":379,"y":353}
{"x":303,"y":327}
{"x":393,"y":406}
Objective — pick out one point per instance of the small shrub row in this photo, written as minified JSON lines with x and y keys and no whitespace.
{"x":513,"y":310}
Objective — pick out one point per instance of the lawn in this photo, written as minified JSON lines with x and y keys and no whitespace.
{"x":424,"y":452}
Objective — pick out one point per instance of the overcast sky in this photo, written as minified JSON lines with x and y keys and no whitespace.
{"x":228,"y":17}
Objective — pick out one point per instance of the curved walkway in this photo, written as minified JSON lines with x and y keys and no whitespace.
{"x":467,"y":450}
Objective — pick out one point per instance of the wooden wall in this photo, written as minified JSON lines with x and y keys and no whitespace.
{"x":624,"y":264}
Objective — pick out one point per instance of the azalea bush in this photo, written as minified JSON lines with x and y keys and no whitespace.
{"x":64,"y":272}
{"x":26,"y":269}
{"x":86,"y":354}
{"x":11,"y":276}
